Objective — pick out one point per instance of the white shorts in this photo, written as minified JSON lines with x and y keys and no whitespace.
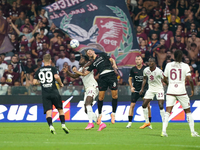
{"x":151,"y":95}
{"x":93,"y":92}
{"x":184,"y":100}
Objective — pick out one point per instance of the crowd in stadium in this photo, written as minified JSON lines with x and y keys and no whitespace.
{"x":162,"y":26}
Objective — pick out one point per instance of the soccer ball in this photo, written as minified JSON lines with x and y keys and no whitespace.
{"x":74,"y":43}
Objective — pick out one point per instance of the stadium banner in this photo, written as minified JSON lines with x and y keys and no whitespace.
{"x":100,"y":24}
{"x":5,"y":44}
{"x":32,"y":111}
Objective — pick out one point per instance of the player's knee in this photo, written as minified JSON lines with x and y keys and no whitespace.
{"x":115,"y":96}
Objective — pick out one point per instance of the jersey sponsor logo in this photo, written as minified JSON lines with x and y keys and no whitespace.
{"x":66,"y":110}
{"x":114,"y":84}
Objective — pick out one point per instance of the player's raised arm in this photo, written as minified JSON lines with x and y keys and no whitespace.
{"x":114,"y":65}
{"x":71,"y":74}
{"x":143,"y":84}
{"x":191,"y":84}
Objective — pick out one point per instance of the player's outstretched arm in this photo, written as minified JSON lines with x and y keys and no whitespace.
{"x":191,"y":85}
{"x":113,"y":63}
{"x":85,"y":73}
{"x":36,"y":82}
{"x":57,"y":77}
{"x":73,"y":75}
{"x":143,"y":84}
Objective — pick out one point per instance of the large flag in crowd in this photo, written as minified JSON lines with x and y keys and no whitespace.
{"x":102,"y":24}
{"x":5,"y":44}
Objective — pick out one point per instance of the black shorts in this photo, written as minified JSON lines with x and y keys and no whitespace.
{"x":135,"y":96}
{"x":108,"y":80}
{"x":50,"y":100}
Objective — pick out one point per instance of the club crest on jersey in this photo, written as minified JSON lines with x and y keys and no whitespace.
{"x":151,"y":77}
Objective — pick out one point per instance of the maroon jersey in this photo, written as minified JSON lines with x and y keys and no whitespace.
{"x":16,"y":46}
{"x":22,"y":56}
{"x":179,"y":46}
{"x":11,"y":77}
{"x":167,"y":35}
{"x":37,"y":19}
{"x":188,"y":34}
{"x":14,"y":13}
{"x":41,"y":53}
{"x":37,"y":46}
{"x":25,"y":43}
{"x":147,"y":30}
{"x":143,"y":35}
{"x":143,"y":49}
{"x":45,"y":39}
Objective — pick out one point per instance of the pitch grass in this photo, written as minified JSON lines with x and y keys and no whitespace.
{"x":36,"y":136}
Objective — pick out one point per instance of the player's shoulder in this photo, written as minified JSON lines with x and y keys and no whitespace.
{"x":147,"y":68}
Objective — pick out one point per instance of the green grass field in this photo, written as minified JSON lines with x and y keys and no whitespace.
{"x":29,"y":136}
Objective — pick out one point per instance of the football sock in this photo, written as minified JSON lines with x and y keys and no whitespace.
{"x":145,"y":111}
{"x":89,"y":113}
{"x":114,"y":105}
{"x":165,"y":121}
{"x":190,"y":121}
{"x":162,"y":114}
{"x":149,"y":119}
{"x":100,"y":105}
{"x":62,"y":119}
{"x":130,"y":118}
{"x":49,"y":121}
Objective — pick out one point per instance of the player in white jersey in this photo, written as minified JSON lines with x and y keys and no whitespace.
{"x":175,"y":74}
{"x":91,"y":90}
{"x":155,"y":76}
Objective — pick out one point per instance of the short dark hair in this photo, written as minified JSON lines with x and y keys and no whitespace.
{"x":42,"y":29}
{"x":153,"y":58}
{"x":193,"y":45}
{"x":85,"y":57}
{"x":36,"y":34}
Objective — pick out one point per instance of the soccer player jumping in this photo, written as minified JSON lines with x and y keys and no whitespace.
{"x":46,"y":76}
{"x":91,"y":89}
{"x":155,"y":76}
{"x":174,"y":75}
{"x":105,"y":67}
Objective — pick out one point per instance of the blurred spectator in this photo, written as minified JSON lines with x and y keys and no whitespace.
{"x":194,"y":76}
{"x":31,"y":14}
{"x":70,"y":90}
{"x":197,"y":14}
{"x":28,"y":56}
{"x":158,"y":19}
{"x":43,"y":37}
{"x":28,"y":25}
{"x":3,"y":67}
{"x":56,"y":45}
{"x":62,"y":48}
{"x":189,"y":32}
{"x":168,"y":36}
{"x":36,"y":45}
{"x":21,"y":20}
{"x":193,"y":39}
{"x":14,"y":12}
{"x":72,"y":61}
{"x":193,"y":6}
{"x":22,"y":54}
{"x":177,"y":44}
{"x":3,"y":86}
{"x":53,"y":32}
{"x":149,"y":26}
{"x":155,"y":30}
{"x":3,"y":56}
{"x":173,"y":25}
{"x":27,"y":73}
{"x":39,"y":18}
{"x":161,"y":55}
{"x":191,"y":20}
{"x":154,"y":42}
{"x":138,"y":9}
{"x":175,"y":18}
{"x":143,"y":48}
{"x":169,"y":58}
{"x":18,"y":89}
{"x":15,"y":43}
{"x":150,"y":4}
{"x":10,"y":76}
{"x":142,"y":18}
{"x":187,"y":61}
{"x":39,"y":64}
{"x":193,"y":51}
{"x":62,"y":60}
{"x":44,"y":51}
{"x":42,"y":3}
{"x":141,"y":34}
{"x":181,"y":6}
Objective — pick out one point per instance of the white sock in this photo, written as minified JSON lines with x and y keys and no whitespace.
{"x":165,"y":121}
{"x":145,"y":111}
{"x":190,"y":121}
{"x":162,"y":114}
{"x":113,"y":113}
{"x":89,"y":113}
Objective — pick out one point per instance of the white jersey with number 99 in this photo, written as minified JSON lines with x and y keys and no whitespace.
{"x":176,"y":73}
